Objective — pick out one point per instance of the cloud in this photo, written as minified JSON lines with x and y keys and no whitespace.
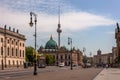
{"x":47,"y":23}
{"x":49,"y":6}
{"x":81,"y":20}
{"x":16,"y":13}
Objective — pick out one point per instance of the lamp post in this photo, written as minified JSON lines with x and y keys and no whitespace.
{"x":84,"y":49}
{"x":70,"y":43}
{"x":31,"y":24}
{"x":84,"y":57}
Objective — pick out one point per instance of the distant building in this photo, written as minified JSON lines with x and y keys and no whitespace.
{"x":12,"y":47}
{"x":61,"y":54}
{"x":115,"y":55}
{"x":117,"y":37}
{"x":101,"y":59}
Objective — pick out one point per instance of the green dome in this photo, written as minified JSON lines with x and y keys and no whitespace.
{"x":51,"y":44}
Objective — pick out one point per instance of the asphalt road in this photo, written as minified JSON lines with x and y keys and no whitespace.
{"x":52,"y":73}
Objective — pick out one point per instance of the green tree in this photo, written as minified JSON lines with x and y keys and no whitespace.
{"x":49,"y":59}
{"x":85,"y":59}
{"x":29,"y":54}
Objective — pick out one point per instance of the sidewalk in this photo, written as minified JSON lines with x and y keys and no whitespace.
{"x":12,"y":69}
{"x":108,"y":74}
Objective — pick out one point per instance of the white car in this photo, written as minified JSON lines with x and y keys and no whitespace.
{"x":61,"y":64}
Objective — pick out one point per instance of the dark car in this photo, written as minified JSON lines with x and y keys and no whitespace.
{"x":41,"y":66}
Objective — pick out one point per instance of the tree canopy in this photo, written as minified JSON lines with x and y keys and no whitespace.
{"x":49,"y":59}
{"x":29,"y":54}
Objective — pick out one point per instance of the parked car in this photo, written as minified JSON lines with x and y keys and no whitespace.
{"x":41,"y":65}
{"x":86,"y":65}
{"x":61,"y":64}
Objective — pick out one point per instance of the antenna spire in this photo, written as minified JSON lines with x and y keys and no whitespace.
{"x":59,"y":17}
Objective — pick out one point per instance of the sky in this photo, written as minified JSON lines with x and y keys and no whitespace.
{"x":90,"y":23}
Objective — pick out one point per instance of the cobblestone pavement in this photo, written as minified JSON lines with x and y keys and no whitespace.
{"x":64,"y":74}
{"x":109,"y":74}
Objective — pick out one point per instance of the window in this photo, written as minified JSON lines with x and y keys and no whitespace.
{"x":23,"y":53}
{"x":69,"y":56}
{"x":65,"y":56}
{"x":1,"y":50}
{"x":12,"y":52}
{"x":16,"y":43}
{"x":8,"y":51}
{"x":20,"y":53}
{"x":23,"y":44}
{"x":17,"y":63}
{"x":20,"y":44}
{"x":16,"y":52}
{"x":8,"y":41}
{"x":12,"y":41}
{"x":57,"y":57}
{"x":61,"y":57}
{"x":1,"y":39}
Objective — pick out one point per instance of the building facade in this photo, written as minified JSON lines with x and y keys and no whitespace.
{"x":12,"y":47}
{"x":117,"y":37}
{"x":102,"y":59}
{"x":61,"y":55}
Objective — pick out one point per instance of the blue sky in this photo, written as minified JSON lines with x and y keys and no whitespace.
{"x":90,"y":23}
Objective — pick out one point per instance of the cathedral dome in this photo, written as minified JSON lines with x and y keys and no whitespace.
{"x":51,"y":44}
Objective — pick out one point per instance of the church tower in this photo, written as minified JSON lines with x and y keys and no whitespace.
{"x":117,"y":37}
{"x":58,"y":29}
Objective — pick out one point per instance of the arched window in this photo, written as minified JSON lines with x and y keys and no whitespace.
{"x":69,"y":56}
{"x":57,"y":57}
{"x":8,"y":51}
{"x":16,"y":52}
{"x":1,"y":50}
{"x":65,"y":56}
{"x":12,"y":52}
{"x":61,"y":57}
{"x":23,"y":53}
{"x":20,"y":53}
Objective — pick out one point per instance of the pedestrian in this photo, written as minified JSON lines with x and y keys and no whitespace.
{"x":106,"y":66}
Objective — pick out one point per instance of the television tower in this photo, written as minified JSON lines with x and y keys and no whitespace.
{"x":58,"y":29}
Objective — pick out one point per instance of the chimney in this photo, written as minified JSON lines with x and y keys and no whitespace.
{"x":5,"y":27}
{"x":9,"y":28}
{"x":17,"y":31}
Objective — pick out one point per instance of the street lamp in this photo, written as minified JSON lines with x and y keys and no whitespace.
{"x":84,"y":49}
{"x":31,"y":24}
{"x":70,"y":43}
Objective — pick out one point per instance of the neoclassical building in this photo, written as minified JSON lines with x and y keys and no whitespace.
{"x":102,"y":59}
{"x":61,"y":54}
{"x":12,"y":47}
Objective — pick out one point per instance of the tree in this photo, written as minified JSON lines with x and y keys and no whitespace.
{"x":85,"y":59}
{"x":49,"y":59}
{"x":29,"y":54}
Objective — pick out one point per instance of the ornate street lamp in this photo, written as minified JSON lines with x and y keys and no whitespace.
{"x":70,"y":43}
{"x":31,"y":24}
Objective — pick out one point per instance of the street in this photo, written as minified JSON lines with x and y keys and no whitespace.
{"x":52,"y":73}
